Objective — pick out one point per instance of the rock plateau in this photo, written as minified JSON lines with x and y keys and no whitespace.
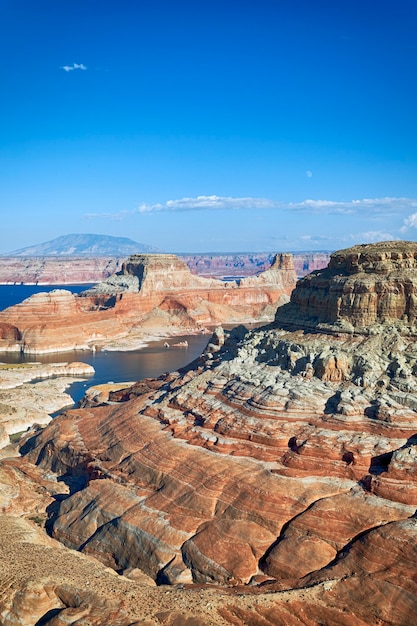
{"x":151,"y":295}
{"x":72,"y":269}
{"x":241,"y":265}
{"x":280,"y":467}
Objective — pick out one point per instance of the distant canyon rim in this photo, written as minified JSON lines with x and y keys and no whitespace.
{"x":273,"y":481}
{"x":151,"y":295}
{"x":61,"y":270}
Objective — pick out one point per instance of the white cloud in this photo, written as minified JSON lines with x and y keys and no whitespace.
{"x":371,"y":236}
{"x":409,"y":222}
{"x":208,"y":203}
{"x":116,"y":217}
{"x":74,"y":66}
{"x":375,"y":207}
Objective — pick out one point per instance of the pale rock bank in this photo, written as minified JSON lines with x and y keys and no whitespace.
{"x":31,"y":392}
{"x":279,"y":467}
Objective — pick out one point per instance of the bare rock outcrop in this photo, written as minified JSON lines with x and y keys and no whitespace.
{"x":151,"y":294}
{"x":250,"y":264}
{"x":280,"y":461}
{"x":30,"y":392}
{"x":361,"y":288}
{"x":62,"y":270}
{"x":71,"y":270}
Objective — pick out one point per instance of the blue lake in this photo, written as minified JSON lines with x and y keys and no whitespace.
{"x":150,"y":361}
{"x":13,"y":294}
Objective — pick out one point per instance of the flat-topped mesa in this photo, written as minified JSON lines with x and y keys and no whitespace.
{"x":363,"y":289}
{"x":384,"y":257}
{"x":151,"y":294}
{"x":150,"y":273}
{"x":146,"y":273}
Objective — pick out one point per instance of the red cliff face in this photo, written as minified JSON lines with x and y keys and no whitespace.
{"x":220,"y":265}
{"x":75,"y":270}
{"x":282,"y":457}
{"x":56,"y":270}
{"x":361,"y":288}
{"x":151,"y":294}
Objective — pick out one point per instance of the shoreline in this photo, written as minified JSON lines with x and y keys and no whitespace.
{"x":124,"y":344}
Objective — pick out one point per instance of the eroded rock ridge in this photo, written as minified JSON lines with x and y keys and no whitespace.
{"x":71,"y":270}
{"x":281,"y":461}
{"x":152,"y":294}
{"x":281,"y":457}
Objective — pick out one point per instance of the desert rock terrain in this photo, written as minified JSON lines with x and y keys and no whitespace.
{"x":72,"y":270}
{"x":30,"y":392}
{"x":152,"y":295}
{"x":272,"y":481}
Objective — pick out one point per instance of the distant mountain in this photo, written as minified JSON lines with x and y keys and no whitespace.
{"x":85,"y":245}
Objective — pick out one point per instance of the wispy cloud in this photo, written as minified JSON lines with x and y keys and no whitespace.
{"x":409,"y":222}
{"x":376,"y":206}
{"x":382,"y":207}
{"x":314,"y":238}
{"x":208,"y":203}
{"x":372,"y":236}
{"x":74,"y":66}
{"x":116,"y":217}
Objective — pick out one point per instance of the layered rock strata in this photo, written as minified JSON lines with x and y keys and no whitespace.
{"x":27,"y":398}
{"x":72,"y":270}
{"x":152,"y":294}
{"x":280,"y":456}
{"x":68,"y":270}
{"x":280,"y":462}
{"x":362,"y":288}
{"x":241,"y":265}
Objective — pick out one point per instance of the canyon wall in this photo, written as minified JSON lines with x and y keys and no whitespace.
{"x":221,"y":265}
{"x":280,"y":465}
{"x":361,"y":288}
{"x":68,"y":270}
{"x":71,"y":270}
{"x":151,"y":295}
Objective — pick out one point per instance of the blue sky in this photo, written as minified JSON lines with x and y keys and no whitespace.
{"x":209,"y":126}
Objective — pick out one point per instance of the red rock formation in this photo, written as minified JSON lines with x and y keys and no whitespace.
{"x":73,"y":270}
{"x":362,"y":286}
{"x":56,"y":270}
{"x":241,"y":265}
{"x":282,"y":458}
{"x":9,"y":332}
{"x":149,"y":294}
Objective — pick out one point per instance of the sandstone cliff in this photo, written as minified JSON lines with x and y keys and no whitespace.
{"x":57,"y":270}
{"x":71,"y":270}
{"x":282,"y":461}
{"x":151,"y":294}
{"x":362,"y":288}
{"x":280,"y":456}
{"x":221,"y":265}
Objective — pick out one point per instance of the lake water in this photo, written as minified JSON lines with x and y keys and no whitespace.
{"x":151,"y":361}
{"x":13,"y":294}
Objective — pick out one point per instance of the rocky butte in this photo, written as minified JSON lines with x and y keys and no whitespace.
{"x":152,"y":294}
{"x":273,"y":481}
